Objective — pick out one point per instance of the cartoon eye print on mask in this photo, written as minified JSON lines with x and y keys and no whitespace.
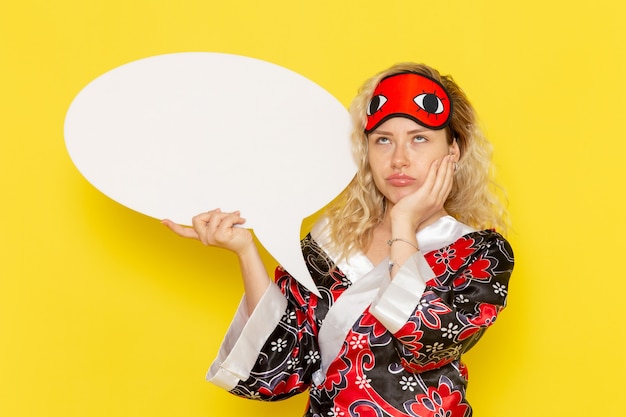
{"x":410,"y":95}
{"x":375,"y":104}
{"x":430,"y":103}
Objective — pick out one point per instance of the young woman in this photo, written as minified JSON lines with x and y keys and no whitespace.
{"x":409,"y":267}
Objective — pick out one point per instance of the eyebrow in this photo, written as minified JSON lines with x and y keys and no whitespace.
{"x":382,"y":132}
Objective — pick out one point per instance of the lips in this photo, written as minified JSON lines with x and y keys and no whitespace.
{"x":400,"y":180}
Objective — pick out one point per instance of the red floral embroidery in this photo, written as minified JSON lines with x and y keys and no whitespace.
{"x":369,"y":321}
{"x":290,"y":384}
{"x":335,"y":376}
{"x":428,"y":311}
{"x":479,"y":269}
{"x":409,"y":336}
{"x":487,"y":316}
{"x":450,"y":258}
{"x":440,"y":402}
{"x":419,"y":368}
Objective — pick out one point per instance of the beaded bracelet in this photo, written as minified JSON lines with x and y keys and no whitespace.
{"x":390,"y":242}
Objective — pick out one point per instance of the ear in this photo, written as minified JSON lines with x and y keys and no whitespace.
{"x":455,"y":150}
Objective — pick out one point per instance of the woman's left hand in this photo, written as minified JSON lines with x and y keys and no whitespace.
{"x":416,"y":208}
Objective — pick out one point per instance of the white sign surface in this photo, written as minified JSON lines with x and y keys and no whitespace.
{"x":174,"y":135}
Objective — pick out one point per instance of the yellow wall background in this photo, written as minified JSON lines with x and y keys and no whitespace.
{"x":103,"y":312}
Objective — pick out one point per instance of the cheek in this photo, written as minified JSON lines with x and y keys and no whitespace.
{"x":424,"y":161}
{"x":421,"y":168}
{"x":421,"y":164}
{"x":376,"y":171}
{"x":374,"y":164}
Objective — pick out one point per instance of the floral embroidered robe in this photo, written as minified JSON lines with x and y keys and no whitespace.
{"x":372,"y":346}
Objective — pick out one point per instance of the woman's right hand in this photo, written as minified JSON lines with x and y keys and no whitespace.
{"x":216,"y":228}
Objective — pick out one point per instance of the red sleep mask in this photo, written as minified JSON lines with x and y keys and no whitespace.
{"x":410,"y":95}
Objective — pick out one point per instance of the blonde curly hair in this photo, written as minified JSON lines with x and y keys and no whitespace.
{"x":474,"y":199}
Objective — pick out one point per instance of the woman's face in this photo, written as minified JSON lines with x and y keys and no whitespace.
{"x":400,"y":153}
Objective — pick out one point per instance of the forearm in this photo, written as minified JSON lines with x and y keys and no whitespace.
{"x":403,"y":244}
{"x":254,"y":274}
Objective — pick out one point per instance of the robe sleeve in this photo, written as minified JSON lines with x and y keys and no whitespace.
{"x":271,"y":354}
{"x":438,"y":306}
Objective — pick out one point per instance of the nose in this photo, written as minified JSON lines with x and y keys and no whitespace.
{"x":400,"y":158}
